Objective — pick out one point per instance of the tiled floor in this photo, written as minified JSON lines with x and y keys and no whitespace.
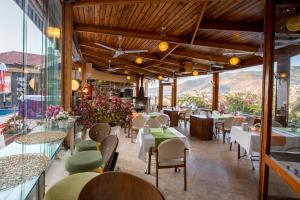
{"x":214,"y":172}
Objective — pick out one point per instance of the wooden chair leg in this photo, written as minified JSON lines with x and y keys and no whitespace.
{"x":149,"y":160}
{"x":175,"y":169}
{"x":185,"y":181}
{"x":224,"y":136}
{"x":156,"y":176}
{"x":230,"y":147}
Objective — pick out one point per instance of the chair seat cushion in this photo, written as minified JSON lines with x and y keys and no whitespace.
{"x":83,"y":162}
{"x":86,"y":145}
{"x":171,"y":162}
{"x":69,"y":188}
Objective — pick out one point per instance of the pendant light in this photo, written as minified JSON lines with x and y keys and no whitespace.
{"x":160,"y":77}
{"x":234,"y":60}
{"x":75,"y":85}
{"x":128,"y":77}
{"x":195,"y":73}
{"x":163,"y":46}
{"x":139,"y":60}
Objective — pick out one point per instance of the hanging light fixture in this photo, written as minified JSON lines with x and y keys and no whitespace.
{"x":139,"y":60}
{"x":163,"y":46}
{"x":160,"y":77}
{"x":234,"y":60}
{"x":195,"y":73}
{"x":75,"y":85}
{"x":128,"y":77}
{"x":79,"y":69}
{"x":53,"y":32}
{"x":32,"y":83}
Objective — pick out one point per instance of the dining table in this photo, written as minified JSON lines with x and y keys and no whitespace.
{"x":283,"y":139}
{"x":154,"y":136}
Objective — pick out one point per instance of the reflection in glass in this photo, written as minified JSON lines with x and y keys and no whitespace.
{"x":285,"y":140}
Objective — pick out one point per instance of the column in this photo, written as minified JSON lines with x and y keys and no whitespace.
{"x":215,"y":97}
{"x":67,"y":33}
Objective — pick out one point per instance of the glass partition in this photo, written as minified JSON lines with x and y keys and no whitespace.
{"x":30,"y":62}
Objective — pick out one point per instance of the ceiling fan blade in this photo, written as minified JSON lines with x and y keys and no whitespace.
{"x":239,"y":53}
{"x":135,"y":51}
{"x":105,"y":47}
{"x":113,"y":69}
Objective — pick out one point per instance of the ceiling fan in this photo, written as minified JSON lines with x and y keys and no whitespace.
{"x":111,"y":69}
{"x":119,"y":51}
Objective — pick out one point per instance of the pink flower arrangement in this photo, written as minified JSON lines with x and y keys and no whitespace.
{"x":52,"y":111}
{"x":87,"y":114}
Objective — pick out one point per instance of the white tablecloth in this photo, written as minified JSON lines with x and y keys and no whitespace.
{"x":250,"y":140}
{"x":147,"y":141}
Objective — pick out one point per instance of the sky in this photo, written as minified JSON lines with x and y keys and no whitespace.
{"x":11,"y":32}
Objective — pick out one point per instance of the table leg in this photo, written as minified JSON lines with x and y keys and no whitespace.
{"x":149,"y":161}
{"x":239,"y":151}
{"x":230,"y":147}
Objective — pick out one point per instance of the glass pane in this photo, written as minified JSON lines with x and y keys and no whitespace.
{"x":278,"y":189}
{"x":246,"y":99}
{"x":11,"y":67}
{"x":167,"y":96}
{"x":285,"y":140}
{"x":195,"y":91}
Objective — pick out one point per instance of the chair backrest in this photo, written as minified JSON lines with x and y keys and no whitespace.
{"x":119,"y":186}
{"x":108,"y":148}
{"x":188,"y":112}
{"x":276,"y":124}
{"x":228,"y":122}
{"x":153,"y":123}
{"x":171,"y":149}
{"x":99,"y":131}
{"x":250,"y":120}
{"x":138,"y":121}
{"x":163,"y":119}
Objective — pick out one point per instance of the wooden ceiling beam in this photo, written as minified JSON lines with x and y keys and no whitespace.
{"x":81,"y":3}
{"x":231,"y":26}
{"x":171,"y":39}
{"x":198,"y":22}
{"x":196,"y":55}
{"x":127,"y":65}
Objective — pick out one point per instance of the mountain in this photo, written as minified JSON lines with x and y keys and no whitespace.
{"x":242,"y":81}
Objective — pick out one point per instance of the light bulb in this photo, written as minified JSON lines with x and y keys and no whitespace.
{"x":163,"y":46}
{"x":234,"y":60}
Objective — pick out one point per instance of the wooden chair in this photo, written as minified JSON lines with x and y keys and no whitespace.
{"x":171,"y":153}
{"x":97,"y":134}
{"x":224,"y":127}
{"x":119,"y":186}
{"x":250,"y":120}
{"x":137,"y":123}
{"x":153,"y":123}
{"x":185,"y":115}
{"x":108,"y":149}
{"x":163,"y":119}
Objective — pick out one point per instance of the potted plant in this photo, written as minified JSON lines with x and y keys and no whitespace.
{"x":87,"y":113}
{"x":62,"y":119}
{"x":51,"y":113}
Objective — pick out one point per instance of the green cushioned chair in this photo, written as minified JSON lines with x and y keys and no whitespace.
{"x":97,"y":133}
{"x":86,"y":145}
{"x":69,"y":188}
{"x":83,"y":162}
{"x":98,"y":161}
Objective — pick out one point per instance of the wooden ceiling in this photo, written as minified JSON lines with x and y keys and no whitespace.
{"x":197,"y":31}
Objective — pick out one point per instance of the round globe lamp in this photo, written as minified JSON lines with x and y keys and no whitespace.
{"x":163,"y":46}
{"x":139,"y":60}
{"x":234,"y":60}
{"x":128,"y":77}
{"x":75,"y":85}
{"x":195,"y":73}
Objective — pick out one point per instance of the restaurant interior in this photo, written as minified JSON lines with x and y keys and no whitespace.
{"x":149,"y":99}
